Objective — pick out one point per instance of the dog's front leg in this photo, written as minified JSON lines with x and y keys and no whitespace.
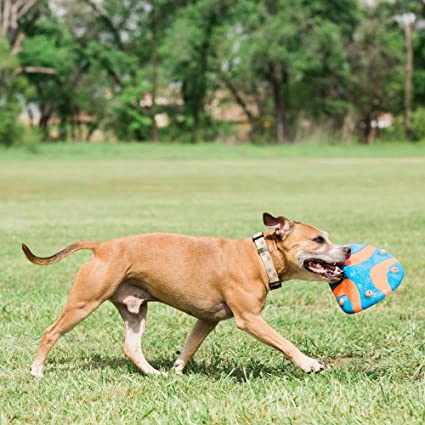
{"x":257,"y":327}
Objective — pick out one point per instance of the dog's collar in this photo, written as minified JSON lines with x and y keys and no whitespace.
{"x":266,"y":258}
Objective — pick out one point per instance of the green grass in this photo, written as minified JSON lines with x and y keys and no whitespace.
{"x":132,"y":150}
{"x":376,"y":359}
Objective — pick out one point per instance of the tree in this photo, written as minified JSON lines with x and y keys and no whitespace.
{"x":13,"y":88}
{"x":419,"y":74}
{"x":10,"y":88}
{"x":120,"y":65}
{"x":409,"y":16}
{"x":123,"y":39}
{"x":48,"y":45}
{"x":11,"y":11}
{"x":284,"y":44}
{"x":188,"y":50}
{"x":376,"y":57}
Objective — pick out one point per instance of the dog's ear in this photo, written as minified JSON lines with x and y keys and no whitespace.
{"x":282,"y":225}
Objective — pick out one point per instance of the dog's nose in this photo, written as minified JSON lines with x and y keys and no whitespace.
{"x":347,"y":251}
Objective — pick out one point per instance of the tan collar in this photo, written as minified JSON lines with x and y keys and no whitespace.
{"x":266,"y":258}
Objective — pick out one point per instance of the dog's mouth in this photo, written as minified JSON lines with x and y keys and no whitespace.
{"x":332,"y":272}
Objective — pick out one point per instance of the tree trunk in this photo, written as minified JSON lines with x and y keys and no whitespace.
{"x":196,"y":109}
{"x":91,"y":129}
{"x":408,"y":35}
{"x":63,"y":133}
{"x":43,"y":123}
{"x":10,"y":14}
{"x":371,"y":136}
{"x":155,"y":136}
{"x":276,"y":82}
{"x":369,"y":131}
{"x":199,"y":85}
{"x":239,"y":100}
{"x":5,"y":11}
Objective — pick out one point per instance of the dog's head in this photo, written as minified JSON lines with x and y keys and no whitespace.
{"x":307,"y":252}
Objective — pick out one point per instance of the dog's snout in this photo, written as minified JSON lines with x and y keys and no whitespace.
{"x":347,"y":251}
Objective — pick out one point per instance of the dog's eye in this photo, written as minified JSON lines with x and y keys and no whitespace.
{"x":319,"y":239}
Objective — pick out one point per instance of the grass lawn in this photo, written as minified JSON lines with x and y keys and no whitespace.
{"x":375,"y":360}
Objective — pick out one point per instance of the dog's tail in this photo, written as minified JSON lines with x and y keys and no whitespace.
{"x":45,"y":261}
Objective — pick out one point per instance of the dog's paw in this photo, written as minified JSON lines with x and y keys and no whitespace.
{"x":309,"y":365}
{"x":179,"y":365}
{"x":153,"y":371}
{"x":37,"y":371}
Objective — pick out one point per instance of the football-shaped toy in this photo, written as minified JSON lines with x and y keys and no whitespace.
{"x":370,"y":274}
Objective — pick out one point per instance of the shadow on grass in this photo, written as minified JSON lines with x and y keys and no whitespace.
{"x":220,"y":369}
{"x":240,"y":373}
{"x":217,"y":369}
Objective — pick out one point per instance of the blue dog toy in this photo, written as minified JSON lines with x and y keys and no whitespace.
{"x":370,"y":275}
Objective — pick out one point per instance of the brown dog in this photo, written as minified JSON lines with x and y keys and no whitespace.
{"x":212,"y":279}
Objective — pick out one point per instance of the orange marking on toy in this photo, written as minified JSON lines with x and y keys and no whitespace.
{"x":361,"y":256}
{"x":348,"y":288}
{"x":378,"y":274}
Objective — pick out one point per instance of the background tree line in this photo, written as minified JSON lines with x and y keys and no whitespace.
{"x":164,"y":69}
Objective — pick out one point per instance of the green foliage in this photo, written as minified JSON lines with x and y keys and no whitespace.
{"x":297,"y":51}
{"x":393,"y":133}
{"x":14,"y":133}
{"x":9,"y":131}
{"x":51,"y":46}
{"x":188,"y":50}
{"x":419,"y":74}
{"x":377,"y":68}
{"x":117,"y":66}
{"x":12,"y":89}
{"x":418,"y":123}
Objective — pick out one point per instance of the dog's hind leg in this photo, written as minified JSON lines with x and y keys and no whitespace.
{"x":135,"y":325}
{"x":92,"y":286}
{"x":199,"y":332}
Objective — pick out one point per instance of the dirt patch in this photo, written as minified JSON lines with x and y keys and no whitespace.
{"x":340,"y":361}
